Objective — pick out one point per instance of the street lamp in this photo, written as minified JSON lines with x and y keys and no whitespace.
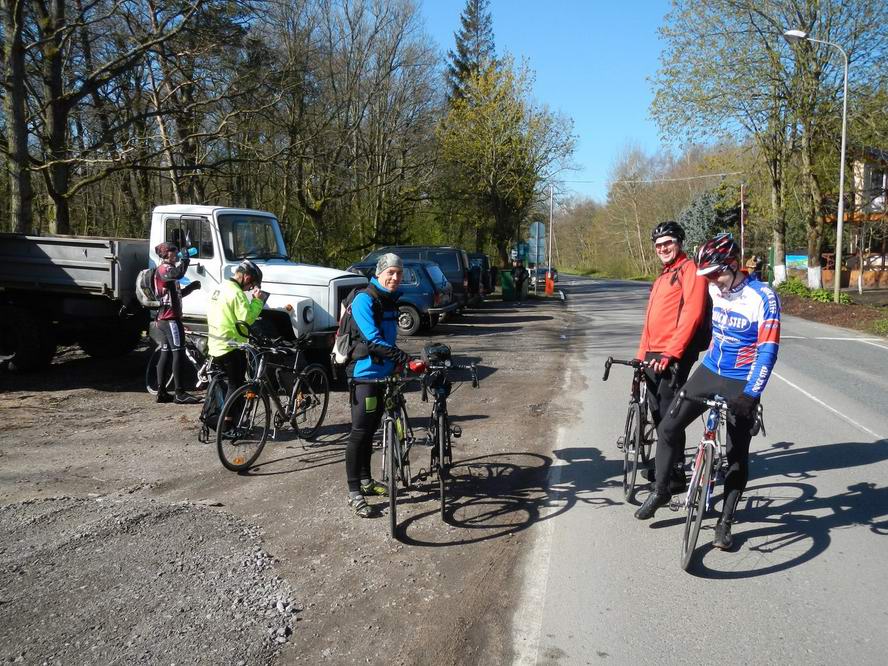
{"x":794,"y":37}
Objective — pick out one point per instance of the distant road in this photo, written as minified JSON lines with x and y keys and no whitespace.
{"x":806,"y":581}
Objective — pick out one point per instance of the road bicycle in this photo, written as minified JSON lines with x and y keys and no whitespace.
{"x":195,"y":373}
{"x":276,"y":393}
{"x":436,"y":380}
{"x":710,"y":456}
{"x":639,"y":432}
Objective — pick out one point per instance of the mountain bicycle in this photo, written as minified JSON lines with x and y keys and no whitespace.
{"x":195,"y":373}
{"x":436,"y":380}
{"x":710,"y":456}
{"x":639,"y":432}
{"x":397,"y":436}
{"x":277,"y":388}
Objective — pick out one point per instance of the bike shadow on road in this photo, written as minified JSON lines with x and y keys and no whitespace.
{"x":784,"y":524}
{"x":496,"y":496}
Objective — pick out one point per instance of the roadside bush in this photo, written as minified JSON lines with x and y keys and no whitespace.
{"x":880,"y":327}
{"x":795,"y":287}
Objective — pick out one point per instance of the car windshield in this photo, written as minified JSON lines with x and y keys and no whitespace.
{"x":246,"y":236}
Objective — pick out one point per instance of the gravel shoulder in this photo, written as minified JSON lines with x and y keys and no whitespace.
{"x":116,"y":517}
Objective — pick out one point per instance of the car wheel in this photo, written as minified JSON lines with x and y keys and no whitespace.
{"x":408,"y":320}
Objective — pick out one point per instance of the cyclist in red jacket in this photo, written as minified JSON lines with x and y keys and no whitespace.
{"x":672,"y":331}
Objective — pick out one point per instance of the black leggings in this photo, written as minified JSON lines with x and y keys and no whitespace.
{"x":704,"y":384}
{"x":660,"y":393}
{"x":234,"y":365}
{"x":172,"y":342}
{"x":366,"y":409}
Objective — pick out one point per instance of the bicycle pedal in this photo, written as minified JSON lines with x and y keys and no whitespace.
{"x":456,"y":431}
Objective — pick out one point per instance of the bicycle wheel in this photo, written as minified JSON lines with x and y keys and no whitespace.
{"x":696,"y":504}
{"x":632,"y":443}
{"x":240,"y":440}
{"x":443,"y":460}
{"x":310,"y":397}
{"x":151,"y":373}
{"x":389,"y":447}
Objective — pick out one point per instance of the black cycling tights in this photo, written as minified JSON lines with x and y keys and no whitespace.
{"x":366,"y":409}
{"x":173,"y":335}
{"x":704,"y":384}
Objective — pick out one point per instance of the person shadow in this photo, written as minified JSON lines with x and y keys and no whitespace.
{"x":781,"y":524}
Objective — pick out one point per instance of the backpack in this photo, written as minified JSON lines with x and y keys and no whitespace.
{"x":212,"y":406}
{"x":145,"y":292}
{"x":703,"y":335}
{"x":349,"y":344}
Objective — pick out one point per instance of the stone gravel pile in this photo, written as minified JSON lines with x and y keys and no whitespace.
{"x":129,"y":580}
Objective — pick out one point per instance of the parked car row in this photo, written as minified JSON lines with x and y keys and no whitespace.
{"x":437,"y":280}
{"x":538,"y":276}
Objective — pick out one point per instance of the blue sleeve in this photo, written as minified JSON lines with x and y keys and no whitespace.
{"x":767,"y":344}
{"x":362,"y":313}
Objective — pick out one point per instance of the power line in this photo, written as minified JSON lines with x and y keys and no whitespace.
{"x":663,"y":180}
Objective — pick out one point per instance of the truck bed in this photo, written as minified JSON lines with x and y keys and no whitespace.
{"x":72,"y":264}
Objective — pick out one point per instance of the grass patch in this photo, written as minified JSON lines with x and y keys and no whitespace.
{"x":880,"y":327}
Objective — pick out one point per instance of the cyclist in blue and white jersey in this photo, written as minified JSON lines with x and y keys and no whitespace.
{"x":737,"y":366}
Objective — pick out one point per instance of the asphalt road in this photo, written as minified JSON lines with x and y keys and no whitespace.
{"x":805,"y":582}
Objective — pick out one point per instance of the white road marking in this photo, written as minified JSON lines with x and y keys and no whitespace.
{"x":793,"y":337}
{"x":835,"y":411}
{"x":527,"y":620}
{"x":827,"y":337}
{"x":874,"y":344}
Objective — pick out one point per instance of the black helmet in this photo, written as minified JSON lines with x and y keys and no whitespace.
{"x":247,"y":267}
{"x":668,"y":228}
{"x":716,"y":253}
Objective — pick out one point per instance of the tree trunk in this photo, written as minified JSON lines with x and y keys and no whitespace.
{"x":815,"y":218}
{"x":21,"y":193}
{"x":56,"y":115}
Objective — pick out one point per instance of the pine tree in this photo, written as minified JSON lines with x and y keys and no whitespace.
{"x":474,"y":47}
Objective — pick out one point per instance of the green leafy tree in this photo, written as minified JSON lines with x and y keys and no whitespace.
{"x":501,"y":146}
{"x":475,"y":50}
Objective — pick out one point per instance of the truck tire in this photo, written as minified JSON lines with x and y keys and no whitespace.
{"x":112,"y":341}
{"x":26,"y":342}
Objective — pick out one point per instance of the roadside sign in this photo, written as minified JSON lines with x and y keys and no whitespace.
{"x":537,"y":250}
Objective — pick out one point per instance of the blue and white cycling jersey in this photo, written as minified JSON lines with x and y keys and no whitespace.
{"x":745,"y":334}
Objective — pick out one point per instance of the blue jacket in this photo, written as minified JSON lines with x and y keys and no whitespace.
{"x":384,"y":354}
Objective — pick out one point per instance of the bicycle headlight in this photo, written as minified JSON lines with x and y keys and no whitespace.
{"x":308,"y":314}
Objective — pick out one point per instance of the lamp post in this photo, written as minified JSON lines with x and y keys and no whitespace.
{"x":795,"y":36}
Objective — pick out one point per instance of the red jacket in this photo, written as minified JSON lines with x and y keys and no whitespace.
{"x":674,"y":310}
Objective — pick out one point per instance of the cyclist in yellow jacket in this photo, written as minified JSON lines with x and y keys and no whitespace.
{"x":228,"y":305}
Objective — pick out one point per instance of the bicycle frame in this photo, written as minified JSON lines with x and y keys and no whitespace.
{"x":712,"y":439}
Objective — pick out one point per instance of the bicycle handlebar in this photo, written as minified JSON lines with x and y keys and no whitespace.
{"x":638,"y":365}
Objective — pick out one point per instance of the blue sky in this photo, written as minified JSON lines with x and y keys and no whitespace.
{"x":591,"y":59}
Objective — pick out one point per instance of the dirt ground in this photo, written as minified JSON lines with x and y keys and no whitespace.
{"x":125,"y":540}
{"x":859,"y":317}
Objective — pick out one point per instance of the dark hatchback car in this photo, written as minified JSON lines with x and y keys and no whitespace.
{"x":426,"y":294}
{"x":480,"y":272}
{"x":454,"y":264}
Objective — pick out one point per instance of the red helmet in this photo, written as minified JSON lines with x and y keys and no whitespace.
{"x":716,"y":254}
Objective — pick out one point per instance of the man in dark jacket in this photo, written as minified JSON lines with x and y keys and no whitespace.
{"x":169,"y":331}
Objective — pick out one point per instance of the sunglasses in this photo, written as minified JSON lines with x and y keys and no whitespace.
{"x":663,"y":246}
